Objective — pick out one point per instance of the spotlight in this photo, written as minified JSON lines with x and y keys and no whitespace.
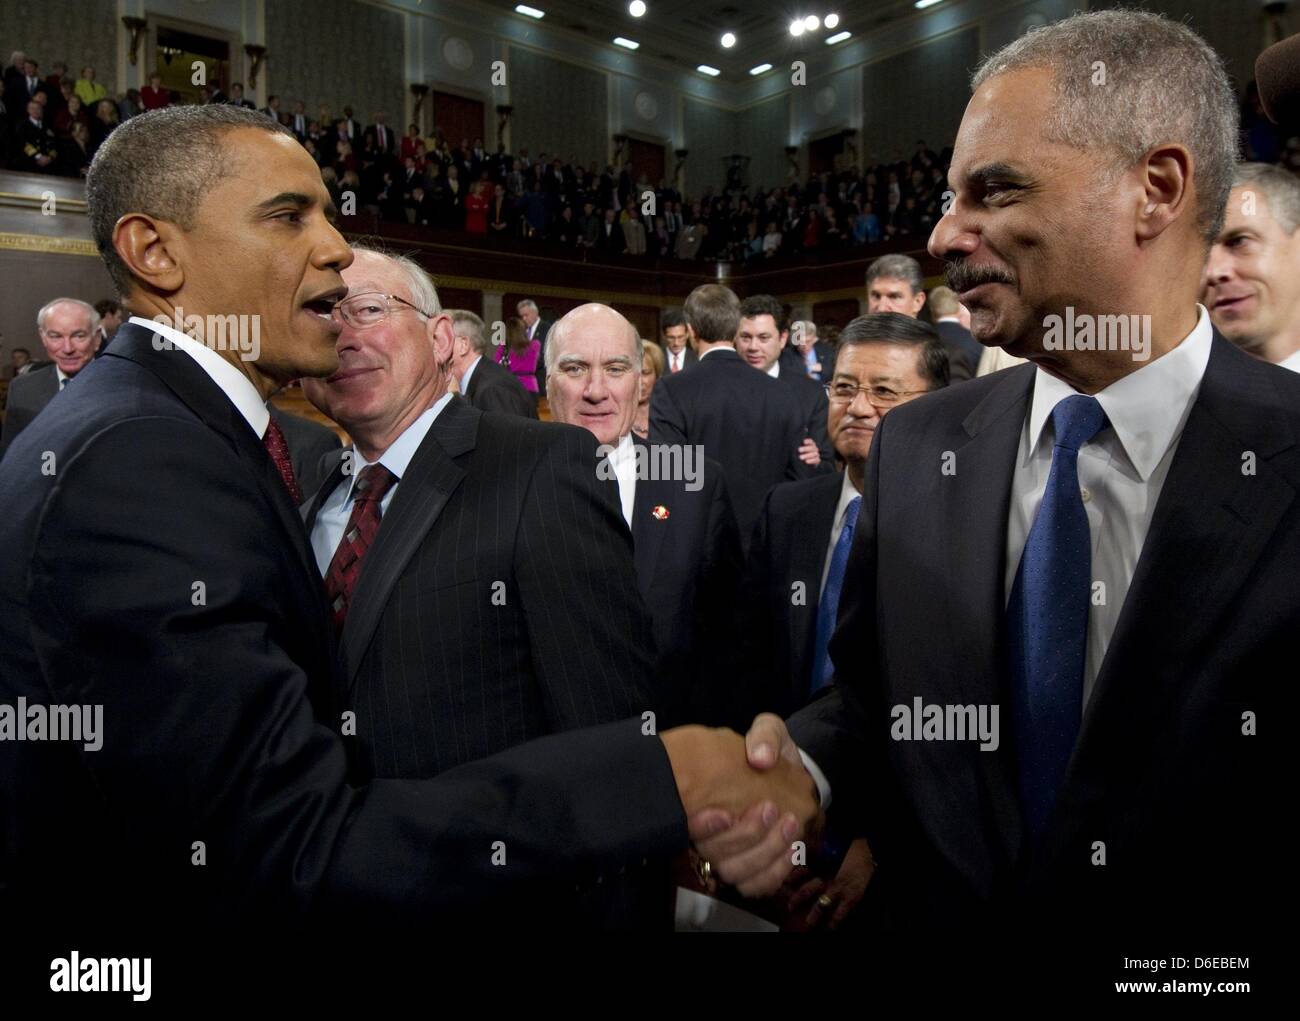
{"x":636,"y":8}
{"x":812,"y":23}
{"x":728,"y":40}
{"x":831,"y":20}
{"x":796,"y":27}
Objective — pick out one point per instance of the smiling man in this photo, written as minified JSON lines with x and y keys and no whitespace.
{"x":1103,"y":548}
{"x":68,"y":329}
{"x":684,"y":533}
{"x":157,"y":568}
{"x":1252,"y":281}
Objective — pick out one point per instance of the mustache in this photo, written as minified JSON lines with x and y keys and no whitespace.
{"x":962,"y":276}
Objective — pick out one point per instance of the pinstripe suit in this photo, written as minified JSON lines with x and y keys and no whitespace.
{"x":498,"y":604}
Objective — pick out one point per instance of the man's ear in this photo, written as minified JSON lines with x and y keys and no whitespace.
{"x":151,"y":249}
{"x":785,"y":339}
{"x":920,"y":295}
{"x":443,"y":338}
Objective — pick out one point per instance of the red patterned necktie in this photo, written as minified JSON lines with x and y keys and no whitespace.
{"x":278,"y":448}
{"x":363,"y":525}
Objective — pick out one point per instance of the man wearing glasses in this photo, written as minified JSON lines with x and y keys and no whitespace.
{"x":801,"y":545}
{"x":69,"y":332}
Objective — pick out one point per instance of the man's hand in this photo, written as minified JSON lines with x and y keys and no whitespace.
{"x":808,"y":452}
{"x":831,"y":905}
{"x":742,"y":820}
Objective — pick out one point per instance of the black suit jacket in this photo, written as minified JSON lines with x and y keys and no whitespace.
{"x":963,"y":350}
{"x":543,"y":328}
{"x":778,"y":620}
{"x":28,"y":394}
{"x":222,"y":705}
{"x":309,"y":442}
{"x":1207,"y":634}
{"x":688,"y":566}
{"x":493,"y":387}
{"x":812,"y":399}
{"x":747,"y":421}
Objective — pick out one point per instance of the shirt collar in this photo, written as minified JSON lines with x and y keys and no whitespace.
{"x":715,"y":349}
{"x":774,"y":370}
{"x":1147,"y":408}
{"x":1291,"y":362}
{"x":464,"y":380}
{"x":237,"y":387}
{"x":848,"y":493}
{"x":624,"y":452}
{"x":397,"y":458}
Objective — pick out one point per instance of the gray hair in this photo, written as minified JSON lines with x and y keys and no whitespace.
{"x":91,"y":315}
{"x":897,"y":267}
{"x":526,"y":303}
{"x":161,"y":164}
{"x":808,"y":328}
{"x":424,"y":295}
{"x":565,"y":323}
{"x":1162,"y":83}
{"x":1281,"y":189}
{"x":471,"y":326}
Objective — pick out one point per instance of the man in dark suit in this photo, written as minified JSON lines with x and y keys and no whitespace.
{"x":236,"y":97}
{"x":537,"y":328}
{"x":760,"y":341}
{"x":953,"y":323}
{"x":483,"y":382}
{"x":749,"y":423}
{"x":687,"y":547}
{"x":309,"y":443}
{"x":1102,"y":544}
{"x":886,"y":360}
{"x":68,"y":329}
{"x":22,"y":83}
{"x":679,"y":355}
{"x":385,"y":143}
{"x":203,"y":644}
{"x":808,"y":354}
{"x":35,"y":148}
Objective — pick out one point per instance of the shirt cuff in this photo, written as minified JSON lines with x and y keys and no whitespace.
{"x":819,"y":778}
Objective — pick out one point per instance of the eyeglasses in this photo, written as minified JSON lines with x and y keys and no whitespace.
{"x":881,"y":396}
{"x":361,"y":311}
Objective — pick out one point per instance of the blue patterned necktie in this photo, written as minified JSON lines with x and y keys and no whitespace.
{"x":1047,"y":618}
{"x":828,"y":607}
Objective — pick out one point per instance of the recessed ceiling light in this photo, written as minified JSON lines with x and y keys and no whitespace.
{"x":712,"y":72}
{"x":831,"y":20}
{"x":636,"y":8}
{"x":728,"y":40}
{"x":627,"y":44}
{"x":839,"y":37}
{"x":796,"y":27}
{"x":923,"y":4}
{"x":761,"y":69}
{"x":531,"y":12}
{"x":812,"y":23}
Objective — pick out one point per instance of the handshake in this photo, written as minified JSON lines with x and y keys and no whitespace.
{"x":747,"y":800}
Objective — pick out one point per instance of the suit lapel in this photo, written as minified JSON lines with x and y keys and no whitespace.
{"x":422,"y":494}
{"x":333,"y":476}
{"x":201,"y":395}
{"x":1210,"y":526}
{"x":648,"y":532}
{"x":976,"y":503}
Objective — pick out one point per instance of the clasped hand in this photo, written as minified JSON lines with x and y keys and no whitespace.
{"x":747,"y":800}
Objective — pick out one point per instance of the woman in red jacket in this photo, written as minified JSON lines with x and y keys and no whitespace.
{"x":476,"y":210}
{"x":519,"y":354}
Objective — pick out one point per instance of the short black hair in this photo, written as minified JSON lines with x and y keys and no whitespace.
{"x":107,"y":306}
{"x":673,"y":317}
{"x":764,"y":305}
{"x":23,"y":350}
{"x":896,"y":328}
{"x":161,"y":163}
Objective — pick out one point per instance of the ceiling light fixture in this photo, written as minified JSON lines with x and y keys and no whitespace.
{"x":831,"y":20}
{"x":531,"y":12}
{"x":627,"y":44}
{"x":839,"y":37}
{"x":796,"y":27}
{"x":761,"y":69}
{"x":728,"y":40}
{"x":712,"y":72}
{"x":636,"y":8}
{"x":812,"y":23}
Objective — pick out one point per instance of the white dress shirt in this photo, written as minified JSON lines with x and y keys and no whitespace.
{"x":234,"y":384}
{"x":1291,"y":362}
{"x":1121,"y":472}
{"x":847,"y":492}
{"x":676,"y":362}
{"x":774,"y":370}
{"x":623,"y":460}
{"x":464,"y":380}
{"x":332,"y":518}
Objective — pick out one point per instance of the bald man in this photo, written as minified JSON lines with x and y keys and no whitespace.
{"x":686,"y":542}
